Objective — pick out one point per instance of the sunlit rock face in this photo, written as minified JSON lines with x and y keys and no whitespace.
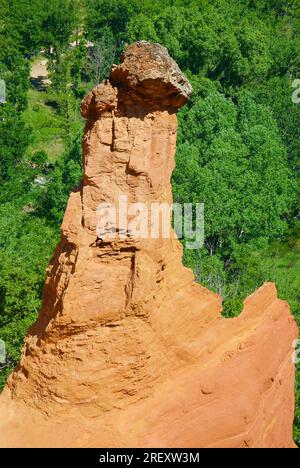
{"x":128,"y":351}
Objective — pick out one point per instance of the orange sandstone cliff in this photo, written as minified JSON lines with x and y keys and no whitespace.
{"x":128,"y":351}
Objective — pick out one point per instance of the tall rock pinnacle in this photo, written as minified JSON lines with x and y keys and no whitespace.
{"x":128,"y":351}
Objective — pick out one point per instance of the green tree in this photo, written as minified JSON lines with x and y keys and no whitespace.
{"x":66,"y":176}
{"x":232,"y":159}
{"x":13,"y":142}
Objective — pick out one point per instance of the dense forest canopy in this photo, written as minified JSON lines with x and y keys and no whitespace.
{"x":238,"y":145}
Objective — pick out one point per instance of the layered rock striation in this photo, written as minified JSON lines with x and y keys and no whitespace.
{"x":128,"y":351}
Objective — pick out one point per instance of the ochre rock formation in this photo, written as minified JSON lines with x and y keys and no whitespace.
{"x":128,"y":351}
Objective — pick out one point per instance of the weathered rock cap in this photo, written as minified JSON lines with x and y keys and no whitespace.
{"x":149,"y":70}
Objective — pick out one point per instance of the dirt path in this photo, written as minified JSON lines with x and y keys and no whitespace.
{"x":39,"y":74}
